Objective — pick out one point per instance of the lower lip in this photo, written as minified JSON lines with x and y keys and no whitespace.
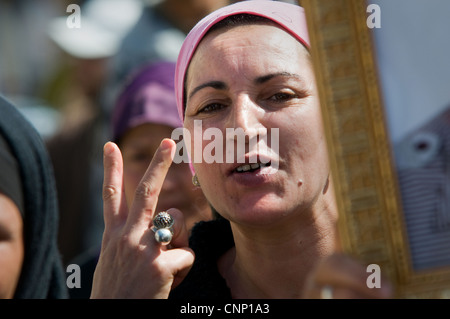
{"x":254,"y":178}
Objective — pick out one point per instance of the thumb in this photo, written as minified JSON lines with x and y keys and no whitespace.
{"x":182,"y":260}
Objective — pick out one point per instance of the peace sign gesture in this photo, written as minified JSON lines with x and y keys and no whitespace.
{"x":132,"y":263}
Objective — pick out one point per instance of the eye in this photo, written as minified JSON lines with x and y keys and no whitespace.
{"x":282,"y":96}
{"x":139,"y":157}
{"x":212,"y":107}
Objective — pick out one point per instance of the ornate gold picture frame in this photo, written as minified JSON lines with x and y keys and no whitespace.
{"x":371,"y":223}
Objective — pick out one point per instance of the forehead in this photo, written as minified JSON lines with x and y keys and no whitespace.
{"x":264,"y":42}
{"x":267,"y":34}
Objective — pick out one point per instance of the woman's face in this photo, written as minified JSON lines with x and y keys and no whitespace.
{"x":251,"y":78}
{"x":138,"y":146}
{"x":11,"y":246}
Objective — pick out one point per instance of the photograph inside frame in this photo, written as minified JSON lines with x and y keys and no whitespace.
{"x":383,"y":79}
{"x":415,"y":77}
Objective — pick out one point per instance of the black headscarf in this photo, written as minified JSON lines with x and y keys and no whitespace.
{"x":42,"y":274}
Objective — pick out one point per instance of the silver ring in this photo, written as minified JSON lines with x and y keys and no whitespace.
{"x":326,"y":292}
{"x":162,"y":226}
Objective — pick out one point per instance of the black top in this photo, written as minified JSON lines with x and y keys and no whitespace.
{"x":209,"y":240}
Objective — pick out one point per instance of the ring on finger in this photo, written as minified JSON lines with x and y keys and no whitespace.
{"x":163,"y":227}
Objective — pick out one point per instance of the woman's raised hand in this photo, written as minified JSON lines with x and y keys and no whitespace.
{"x":132,"y":263}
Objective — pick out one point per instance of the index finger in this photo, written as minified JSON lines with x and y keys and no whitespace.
{"x":114,"y":203}
{"x":147,"y":192}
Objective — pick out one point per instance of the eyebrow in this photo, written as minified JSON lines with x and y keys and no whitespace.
{"x":265,"y":78}
{"x":218,"y":85}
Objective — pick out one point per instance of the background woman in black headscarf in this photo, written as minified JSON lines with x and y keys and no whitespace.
{"x":30,"y":264}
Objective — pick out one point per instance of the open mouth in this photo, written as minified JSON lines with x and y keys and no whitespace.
{"x":244,"y":168}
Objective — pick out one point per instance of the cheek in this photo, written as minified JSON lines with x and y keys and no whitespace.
{"x":184,"y":178}
{"x":207,"y":174}
{"x":202,"y":149}
{"x":303,"y":142}
{"x":207,"y":155}
{"x":11,"y":258}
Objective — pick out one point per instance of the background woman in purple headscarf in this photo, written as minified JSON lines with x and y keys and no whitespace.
{"x":145,"y":113}
{"x":245,"y":66}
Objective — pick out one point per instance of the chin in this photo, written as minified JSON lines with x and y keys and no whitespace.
{"x":264,"y":212}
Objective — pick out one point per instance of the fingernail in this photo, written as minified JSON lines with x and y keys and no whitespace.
{"x":108,"y":148}
{"x":166,"y":145}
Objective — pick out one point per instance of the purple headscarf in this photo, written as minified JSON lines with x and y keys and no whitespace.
{"x":289,"y":16}
{"x":148,"y":98}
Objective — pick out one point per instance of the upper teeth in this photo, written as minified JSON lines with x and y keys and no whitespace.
{"x":247,"y":167}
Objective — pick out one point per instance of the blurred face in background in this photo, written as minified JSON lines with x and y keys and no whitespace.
{"x":186,"y":13}
{"x":138,"y":145}
{"x":11,"y":246}
{"x":90,"y":74}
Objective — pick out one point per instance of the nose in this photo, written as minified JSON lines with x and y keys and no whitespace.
{"x":245,"y":119}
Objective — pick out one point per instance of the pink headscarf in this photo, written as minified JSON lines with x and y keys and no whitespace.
{"x":289,"y":16}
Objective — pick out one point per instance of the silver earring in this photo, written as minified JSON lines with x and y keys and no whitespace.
{"x":195,"y":180}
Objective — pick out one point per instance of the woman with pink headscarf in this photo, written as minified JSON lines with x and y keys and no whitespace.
{"x":243,"y":67}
